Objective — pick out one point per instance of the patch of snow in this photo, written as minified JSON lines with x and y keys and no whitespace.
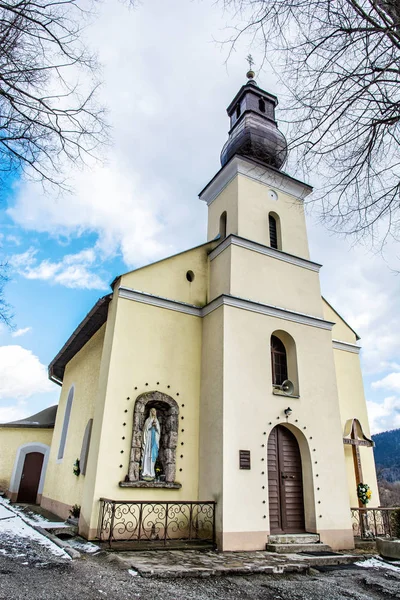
{"x":133,"y":572}
{"x":83,"y":546}
{"x":11,"y":525}
{"x":378,"y":563}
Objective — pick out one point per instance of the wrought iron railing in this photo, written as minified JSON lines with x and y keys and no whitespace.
{"x":369,"y":523}
{"x":162,"y":522}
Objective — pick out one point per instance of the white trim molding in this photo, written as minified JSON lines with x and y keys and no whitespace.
{"x":268,"y":310}
{"x":339,"y":345}
{"x":225,"y":300}
{"x":19,"y":464}
{"x":159,"y":301}
{"x":263,"y":174}
{"x":235,"y":240}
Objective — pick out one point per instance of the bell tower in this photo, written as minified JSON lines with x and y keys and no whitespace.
{"x":251,"y":196}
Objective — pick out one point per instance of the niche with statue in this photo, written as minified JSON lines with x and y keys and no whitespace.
{"x":154,"y":440}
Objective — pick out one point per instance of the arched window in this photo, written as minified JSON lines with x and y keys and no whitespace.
{"x":279,"y":361}
{"x":284,"y":361}
{"x":64,"y":431}
{"x":222,"y":225}
{"x":273,"y":233}
{"x":261,"y":105}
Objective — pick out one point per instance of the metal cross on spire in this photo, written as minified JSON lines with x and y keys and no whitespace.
{"x":250,"y":61}
{"x":250,"y":73}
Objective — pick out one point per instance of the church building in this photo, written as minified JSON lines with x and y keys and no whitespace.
{"x":218,"y":379}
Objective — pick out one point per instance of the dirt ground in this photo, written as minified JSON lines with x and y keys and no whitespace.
{"x":32,"y":572}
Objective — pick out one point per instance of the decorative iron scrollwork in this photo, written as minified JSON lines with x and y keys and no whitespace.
{"x":156,"y":521}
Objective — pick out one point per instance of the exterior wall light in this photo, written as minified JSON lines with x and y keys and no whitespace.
{"x":288,"y":411}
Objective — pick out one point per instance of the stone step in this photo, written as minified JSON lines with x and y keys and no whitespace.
{"x":59,"y":529}
{"x":296,"y":548}
{"x":294,"y":538}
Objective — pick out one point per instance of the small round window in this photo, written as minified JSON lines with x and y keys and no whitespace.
{"x":190,"y":276}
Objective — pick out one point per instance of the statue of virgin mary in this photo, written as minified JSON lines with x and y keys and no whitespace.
{"x":150,"y":445}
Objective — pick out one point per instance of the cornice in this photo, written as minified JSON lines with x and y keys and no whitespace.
{"x":263,"y":174}
{"x":159,"y":301}
{"x":266,"y":309}
{"x":225,"y":300}
{"x":346,"y":346}
{"x":235,"y":240}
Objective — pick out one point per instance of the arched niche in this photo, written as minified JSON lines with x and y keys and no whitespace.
{"x":291,"y":357}
{"x":167,"y":414}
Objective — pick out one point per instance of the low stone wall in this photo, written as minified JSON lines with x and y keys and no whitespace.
{"x":388,"y":548}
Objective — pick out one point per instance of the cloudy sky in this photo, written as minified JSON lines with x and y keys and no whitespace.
{"x":167,"y":83}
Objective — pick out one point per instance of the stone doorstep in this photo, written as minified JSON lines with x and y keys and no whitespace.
{"x":152,"y":564}
{"x":295,"y":548}
{"x":63,"y":529}
{"x":294,"y":538}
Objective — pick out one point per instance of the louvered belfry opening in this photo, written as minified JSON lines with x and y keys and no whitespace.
{"x":278,"y":360}
{"x":273,"y":232}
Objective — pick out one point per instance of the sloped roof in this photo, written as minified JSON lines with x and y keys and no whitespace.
{"x":44,"y":419}
{"x":85,"y":330}
{"x":340,"y":317}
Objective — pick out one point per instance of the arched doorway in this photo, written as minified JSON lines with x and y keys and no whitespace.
{"x":30,"y":477}
{"x":285,"y":482}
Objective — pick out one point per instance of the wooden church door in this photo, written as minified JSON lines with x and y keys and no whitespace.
{"x":285,"y":482}
{"x":30,"y":478}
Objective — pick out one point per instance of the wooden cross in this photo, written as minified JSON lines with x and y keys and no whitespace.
{"x":355,"y":443}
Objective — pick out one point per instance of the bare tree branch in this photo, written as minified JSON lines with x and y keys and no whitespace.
{"x":49,"y":113}
{"x":341,"y":69}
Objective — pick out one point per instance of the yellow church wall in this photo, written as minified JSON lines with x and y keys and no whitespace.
{"x":160,"y":348}
{"x":62,"y":488}
{"x":93,"y":463}
{"x":220,"y":274}
{"x":226,"y":201}
{"x":255,"y":204}
{"x":340,"y":331}
{"x":167,"y":278}
{"x":247,"y":203}
{"x":249,"y":417}
{"x":266,"y":279}
{"x":353,"y":406}
{"x":11,"y":439}
{"x":211,"y":455}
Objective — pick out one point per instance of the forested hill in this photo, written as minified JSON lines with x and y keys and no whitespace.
{"x":387,"y":454}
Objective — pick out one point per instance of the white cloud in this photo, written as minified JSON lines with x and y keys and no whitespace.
{"x":21,"y":332}
{"x":390,"y":382}
{"x":385,"y":415}
{"x":13,"y":239}
{"x":21,"y":374}
{"x":12,"y":413}
{"x":109,"y":201}
{"x":72,"y":271}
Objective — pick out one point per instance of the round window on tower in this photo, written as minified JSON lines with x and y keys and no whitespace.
{"x":272,"y":195}
{"x":190,"y":276}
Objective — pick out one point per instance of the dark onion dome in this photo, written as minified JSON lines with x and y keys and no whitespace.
{"x":254,"y":132}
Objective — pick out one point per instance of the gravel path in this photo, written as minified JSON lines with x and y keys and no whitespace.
{"x":100,"y":576}
{"x":32,"y":567}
